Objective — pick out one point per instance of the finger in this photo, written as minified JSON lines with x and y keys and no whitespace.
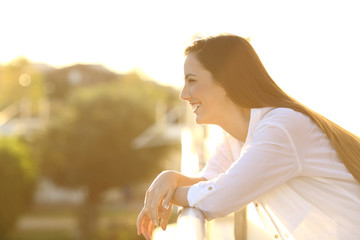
{"x":162,"y":211}
{"x":139,"y":221}
{"x":144,"y":223}
{"x":153,"y":208}
{"x":149,"y":201}
{"x":144,"y":228}
{"x":166,"y":218}
{"x":160,"y":204}
{"x":151,"y":229}
{"x":168,"y":197}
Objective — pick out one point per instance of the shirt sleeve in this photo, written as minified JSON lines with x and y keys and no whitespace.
{"x":267,"y":161}
{"x":219,"y":161}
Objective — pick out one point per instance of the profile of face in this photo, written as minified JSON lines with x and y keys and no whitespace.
{"x":208,"y":99}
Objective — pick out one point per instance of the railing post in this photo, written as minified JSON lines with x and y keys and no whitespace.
{"x":240,"y":225}
{"x":190,"y":224}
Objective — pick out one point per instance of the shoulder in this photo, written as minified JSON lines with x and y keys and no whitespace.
{"x":287,"y":118}
{"x":296,"y":126}
{"x":285,"y":121}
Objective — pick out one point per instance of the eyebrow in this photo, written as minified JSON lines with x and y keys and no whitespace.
{"x":189,"y":74}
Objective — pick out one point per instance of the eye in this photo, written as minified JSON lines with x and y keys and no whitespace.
{"x":190,"y":80}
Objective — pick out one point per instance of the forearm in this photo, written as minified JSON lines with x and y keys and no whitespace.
{"x":180,"y":196}
{"x":178,"y":189}
{"x":183,"y":185}
{"x":183,"y":180}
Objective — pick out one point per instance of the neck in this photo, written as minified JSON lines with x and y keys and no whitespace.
{"x":237,"y":125}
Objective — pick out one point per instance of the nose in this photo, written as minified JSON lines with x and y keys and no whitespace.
{"x":184,"y":94}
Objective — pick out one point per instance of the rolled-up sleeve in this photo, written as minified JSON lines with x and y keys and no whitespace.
{"x":268,"y":160}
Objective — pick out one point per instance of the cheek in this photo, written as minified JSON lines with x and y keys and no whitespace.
{"x":195,"y":91}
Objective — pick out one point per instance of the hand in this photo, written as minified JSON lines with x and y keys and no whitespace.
{"x":146,"y":227}
{"x":161,"y":190}
{"x":164,"y":214}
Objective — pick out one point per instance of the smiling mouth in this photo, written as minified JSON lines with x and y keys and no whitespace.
{"x":195,"y":106}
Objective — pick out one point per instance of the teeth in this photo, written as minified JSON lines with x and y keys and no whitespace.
{"x":195,"y":106}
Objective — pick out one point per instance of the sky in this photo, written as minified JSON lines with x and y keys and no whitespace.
{"x":309,"y":47}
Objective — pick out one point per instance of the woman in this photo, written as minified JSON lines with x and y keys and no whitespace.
{"x":301,"y":170}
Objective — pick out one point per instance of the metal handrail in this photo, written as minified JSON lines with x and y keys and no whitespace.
{"x":190,"y":224}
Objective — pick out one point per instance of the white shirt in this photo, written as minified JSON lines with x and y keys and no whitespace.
{"x":289,"y":169}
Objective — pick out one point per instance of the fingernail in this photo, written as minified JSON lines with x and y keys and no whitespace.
{"x":156,"y":222}
{"x":166,"y":205}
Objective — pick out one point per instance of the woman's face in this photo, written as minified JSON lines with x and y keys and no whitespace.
{"x":207,"y":98}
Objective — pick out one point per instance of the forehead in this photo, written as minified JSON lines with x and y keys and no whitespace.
{"x":192,"y":65}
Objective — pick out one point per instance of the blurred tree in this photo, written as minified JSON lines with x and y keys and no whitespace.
{"x":21,"y":79}
{"x":17,"y":182}
{"x":90,"y":141}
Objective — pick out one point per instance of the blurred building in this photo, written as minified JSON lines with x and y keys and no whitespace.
{"x":19,"y":119}
{"x":60,"y":81}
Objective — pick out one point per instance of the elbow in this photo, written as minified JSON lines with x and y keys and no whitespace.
{"x":212,"y":211}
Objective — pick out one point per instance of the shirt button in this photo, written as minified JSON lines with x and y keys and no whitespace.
{"x":256,"y":205}
{"x":209,"y":188}
{"x":276,"y":236}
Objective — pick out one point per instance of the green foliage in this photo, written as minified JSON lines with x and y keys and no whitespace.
{"x":90,"y":141}
{"x":12,"y":88}
{"x":17,"y":182}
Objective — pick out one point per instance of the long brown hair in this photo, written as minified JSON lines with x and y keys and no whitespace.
{"x":235,"y":65}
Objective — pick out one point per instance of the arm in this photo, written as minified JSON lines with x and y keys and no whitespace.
{"x":183,"y":180}
{"x":269,"y":160}
{"x":180,"y":196}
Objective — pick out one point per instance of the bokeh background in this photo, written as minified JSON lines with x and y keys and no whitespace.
{"x":89,"y":108}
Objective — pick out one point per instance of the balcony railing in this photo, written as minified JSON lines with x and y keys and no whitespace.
{"x":191,"y":225}
{"x":243,"y":225}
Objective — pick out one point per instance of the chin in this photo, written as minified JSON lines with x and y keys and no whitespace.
{"x":200,"y":120}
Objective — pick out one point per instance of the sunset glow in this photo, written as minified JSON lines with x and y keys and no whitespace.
{"x":310,"y":48}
